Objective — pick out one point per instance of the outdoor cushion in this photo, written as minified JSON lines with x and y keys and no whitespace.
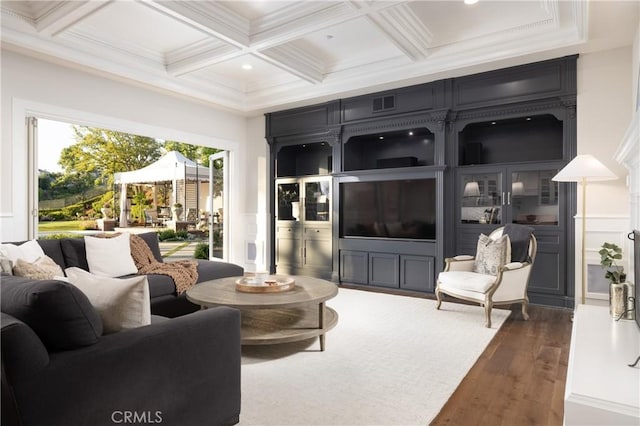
{"x":60,"y":314}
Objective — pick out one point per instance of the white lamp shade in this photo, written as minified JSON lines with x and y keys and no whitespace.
{"x":517,"y":188}
{"x":584,"y":168}
{"x":471,"y":189}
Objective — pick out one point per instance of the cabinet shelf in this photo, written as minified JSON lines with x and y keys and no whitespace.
{"x":389,"y":150}
{"x":522,"y":139}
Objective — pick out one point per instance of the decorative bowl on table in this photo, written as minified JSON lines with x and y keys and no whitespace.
{"x":262,"y":282}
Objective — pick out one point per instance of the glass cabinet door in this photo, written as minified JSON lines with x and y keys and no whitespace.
{"x":482,"y":198}
{"x":534,"y":197}
{"x":316,"y":200}
{"x":288,"y":200}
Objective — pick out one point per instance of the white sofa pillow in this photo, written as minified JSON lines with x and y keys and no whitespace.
{"x":122,"y":303}
{"x":110,"y":257}
{"x":29,"y":251}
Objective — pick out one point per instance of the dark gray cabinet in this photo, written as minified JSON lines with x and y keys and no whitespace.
{"x":417,"y":173}
{"x":389,"y":270}
{"x":303,"y":226}
{"x":516,"y":186}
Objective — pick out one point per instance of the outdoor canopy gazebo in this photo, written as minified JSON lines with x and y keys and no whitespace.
{"x":171,"y":167}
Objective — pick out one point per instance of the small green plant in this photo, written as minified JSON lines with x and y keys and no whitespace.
{"x":182,"y":234}
{"x":609,"y":253}
{"x":201,"y":251}
{"x":166,"y":234}
{"x":59,"y":236}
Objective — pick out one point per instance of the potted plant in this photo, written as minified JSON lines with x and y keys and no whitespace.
{"x":619,"y":291}
{"x":609,"y":253}
{"x":106,"y":210}
{"x":177,"y":211}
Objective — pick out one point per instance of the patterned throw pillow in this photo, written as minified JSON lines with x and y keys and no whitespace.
{"x":5,"y":264}
{"x":44,"y":268}
{"x":491,"y":254}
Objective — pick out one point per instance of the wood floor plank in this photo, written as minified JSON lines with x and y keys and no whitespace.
{"x":520,"y":378}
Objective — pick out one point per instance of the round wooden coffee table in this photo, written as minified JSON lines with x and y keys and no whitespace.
{"x":268,"y":318}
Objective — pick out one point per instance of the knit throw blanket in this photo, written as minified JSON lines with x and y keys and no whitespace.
{"x":183,"y":272}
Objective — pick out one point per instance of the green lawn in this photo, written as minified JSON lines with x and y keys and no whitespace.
{"x":63,"y":225}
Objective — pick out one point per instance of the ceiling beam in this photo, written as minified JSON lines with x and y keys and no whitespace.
{"x":295,"y":61}
{"x":65,"y":14}
{"x":200,"y":55}
{"x":212,"y":18}
{"x":404,"y":29}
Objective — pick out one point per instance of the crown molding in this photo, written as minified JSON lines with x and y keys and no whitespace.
{"x":294,"y":60}
{"x":212,"y":18}
{"x":199,"y":55}
{"x":403,"y":28}
{"x":63,"y":15}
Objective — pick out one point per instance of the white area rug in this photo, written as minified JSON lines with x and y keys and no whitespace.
{"x":390,"y":360}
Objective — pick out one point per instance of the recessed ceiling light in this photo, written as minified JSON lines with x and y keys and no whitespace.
{"x":410,"y":133}
{"x":381,"y":137}
{"x":528,"y":118}
{"x":470,"y":1}
{"x":493,"y":122}
{"x":247,"y":67}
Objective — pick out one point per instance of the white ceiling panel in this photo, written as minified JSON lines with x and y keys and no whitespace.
{"x":130,"y":23}
{"x":262,"y":73}
{"x":477,"y":20}
{"x":253,"y":10}
{"x":349,"y":44}
{"x":302,"y":52}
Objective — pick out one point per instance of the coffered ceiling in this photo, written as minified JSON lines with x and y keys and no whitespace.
{"x":301,"y":52}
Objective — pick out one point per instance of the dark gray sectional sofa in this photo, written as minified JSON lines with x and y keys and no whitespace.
{"x":70,"y":252}
{"x":58,"y":368}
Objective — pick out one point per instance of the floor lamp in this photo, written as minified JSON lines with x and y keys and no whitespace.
{"x":583,"y":169}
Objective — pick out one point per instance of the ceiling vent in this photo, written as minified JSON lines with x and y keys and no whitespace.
{"x":384,"y":103}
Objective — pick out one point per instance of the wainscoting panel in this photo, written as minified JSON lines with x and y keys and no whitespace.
{"x":600,"y":229}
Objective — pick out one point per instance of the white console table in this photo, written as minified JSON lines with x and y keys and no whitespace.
{"x":601,"y":388}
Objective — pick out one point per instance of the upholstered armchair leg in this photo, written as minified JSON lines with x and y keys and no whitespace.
{"x":439,"y":297}
{"x":525,"y":305}
{"x":487,"y":313}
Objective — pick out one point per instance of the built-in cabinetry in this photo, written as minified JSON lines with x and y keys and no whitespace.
{"x":303,"y":226}
{"x":503,"y":174}
{"x":416,"y":174}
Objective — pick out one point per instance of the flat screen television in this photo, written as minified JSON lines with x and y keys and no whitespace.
{"x":404,"y":208}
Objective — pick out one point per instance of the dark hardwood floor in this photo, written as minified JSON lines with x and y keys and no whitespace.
{"x":520,"y":377}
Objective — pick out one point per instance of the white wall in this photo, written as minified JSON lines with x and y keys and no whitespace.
{"x":603,"y":115}
{"x":43,"y":89}
{"x":604,"y":96}
{"x":256,"y":183}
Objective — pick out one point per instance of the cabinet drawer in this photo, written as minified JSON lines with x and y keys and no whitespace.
{"x":286,"y":230}
{"x":317,"y":233}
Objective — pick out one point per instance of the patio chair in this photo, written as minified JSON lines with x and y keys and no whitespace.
{"x":151,"y":218}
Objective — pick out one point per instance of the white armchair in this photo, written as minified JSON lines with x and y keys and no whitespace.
{"x":507,"y":287}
